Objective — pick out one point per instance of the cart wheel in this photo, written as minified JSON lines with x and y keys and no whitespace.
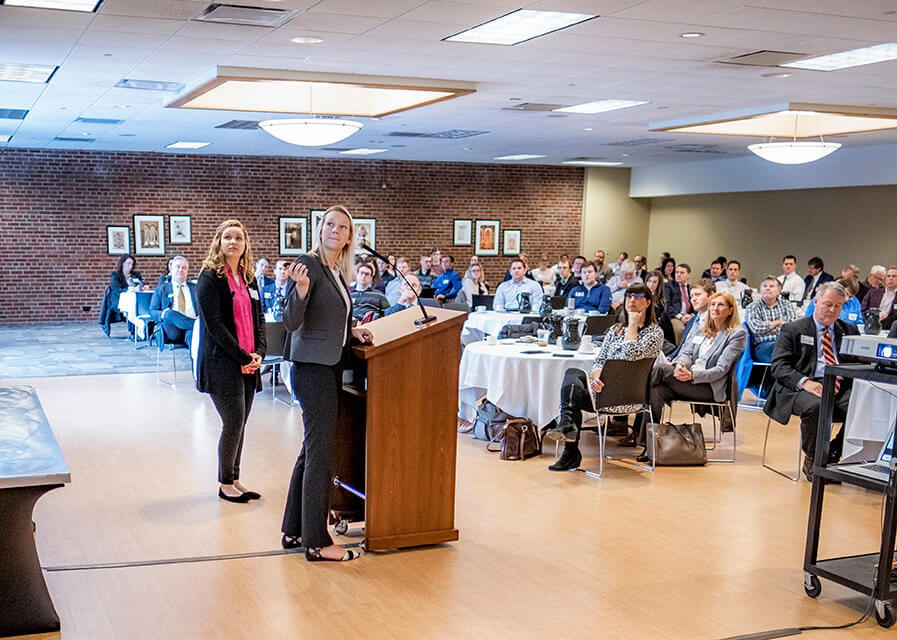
{"x":814,"y":588}
{"x":886,"y":620}
{"x":341,"y":527}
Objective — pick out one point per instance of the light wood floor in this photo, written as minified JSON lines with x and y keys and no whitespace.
{"x":682,"y":553}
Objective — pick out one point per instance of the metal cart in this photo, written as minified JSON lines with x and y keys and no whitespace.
{"x":868,"y":573}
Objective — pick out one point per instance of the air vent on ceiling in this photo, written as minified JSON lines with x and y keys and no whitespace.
{"x":13,"y":114}
{"x":251,"y":16}
{"x":697,"y":148}
{"x":637,"y":142}
{"x":451,"y":134}
{"x":239,"y":124}
{"x":534,"y":106}
{"x":98,"y":121}
{"x":338,"y":149}
{"x":765,"y":58}
{"x":81,"y":139}
{"x":149,"y":85}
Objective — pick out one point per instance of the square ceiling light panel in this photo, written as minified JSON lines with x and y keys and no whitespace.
{"x":520,"y":26}
{"x":787,"y":120}
{"x":66,"y":5}
{"x":37,"y":73}
{"x":279,"y":91}
{"x":847,"y":59}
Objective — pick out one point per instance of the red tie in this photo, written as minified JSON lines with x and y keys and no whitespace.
{"x":828,"y":354}
{"x":685,"y":302}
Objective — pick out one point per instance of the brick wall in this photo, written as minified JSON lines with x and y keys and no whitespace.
{"x":55,"y":206}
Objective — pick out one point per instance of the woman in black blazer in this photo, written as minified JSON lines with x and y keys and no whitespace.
{"x":317,"y":312}
{"x":123,"y":277}
{"x":231,"y":346}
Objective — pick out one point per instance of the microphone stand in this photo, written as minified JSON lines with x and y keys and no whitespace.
{"x":420,"y":322}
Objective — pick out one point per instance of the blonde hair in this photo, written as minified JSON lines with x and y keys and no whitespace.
{"x":345,"y":260}
{"x":730,"y":323}
{"x":215,"y":258}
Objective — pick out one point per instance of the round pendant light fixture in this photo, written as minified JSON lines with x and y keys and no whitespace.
{"x":793,"y":152}
{"x":311,"y":132}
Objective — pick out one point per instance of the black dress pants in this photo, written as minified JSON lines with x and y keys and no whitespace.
{"x":807,"y":407}
{"x":317,"y":387}
{"x":234,"y":411}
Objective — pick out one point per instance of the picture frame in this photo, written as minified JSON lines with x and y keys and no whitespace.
{"x":179,"y":230}
{"x":462,"y":234}
{"x":316,"y":216}
{"x":149,"y":235}
{"x":365,"y":232}
{"x":511,"y":242}
{"x":293,"y":236}
{"x":118,"y":240}
{"x":487,"y":237}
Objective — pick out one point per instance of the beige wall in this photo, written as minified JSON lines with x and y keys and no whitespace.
{"x":611,"y":219}
{"x":843,"y":225}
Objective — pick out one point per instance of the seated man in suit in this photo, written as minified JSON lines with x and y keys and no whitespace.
{"x":566,"y":281}
{"x":273,"y":294}
{"x":816,"y":276}
{"x":366,"y":299}
{"x":406,"y":298}
{"x":700,"y":301}
{"x":732,"y":283}
{"x":173,"y":305}
{"x":803,"y":350}
{"x":767,"y":316}
{"x":884,"y":299}
{"x":591,"y":295}
{"x":507,"y":292}
{"x":677,"y":296}
{"x":605,"y":273}
{"x":261,"y":266}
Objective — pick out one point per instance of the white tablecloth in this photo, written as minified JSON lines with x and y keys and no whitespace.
{"x":528,"y":385}
{"x":482,"y":323}
{"x":127,"y":304}
{"x":870,"y":416}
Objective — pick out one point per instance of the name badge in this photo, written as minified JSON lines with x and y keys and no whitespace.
{"x":267,"y":294}
{"x":698,"y":340}
{"x":807,"y":340}
{"x":578,"y":294}
{"x":253,"y":294}
{"x":852,"y":316}
{"x":170,"y":295}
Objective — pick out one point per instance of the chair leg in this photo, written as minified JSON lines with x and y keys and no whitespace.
{"x":793,"y":478}
{"x":274,"y":368}
{"x":173,"y":383}
{"x":734,"y":435}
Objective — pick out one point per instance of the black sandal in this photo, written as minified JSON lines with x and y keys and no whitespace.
{"x":313,"y":554}
{"x":291,"y":542}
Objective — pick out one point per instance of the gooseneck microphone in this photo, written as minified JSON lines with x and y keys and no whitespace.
{"x":420,"y":322}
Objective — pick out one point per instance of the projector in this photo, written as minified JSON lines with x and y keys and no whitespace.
{"x":882,"y":351}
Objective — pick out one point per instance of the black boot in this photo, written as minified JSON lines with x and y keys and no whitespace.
{"x":567,"y":425}
{"x":569,"y":460}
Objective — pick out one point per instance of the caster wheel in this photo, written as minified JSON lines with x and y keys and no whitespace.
{"x":886,"y":620}
{"x":341,"y":527}
{"x":814,"y":588}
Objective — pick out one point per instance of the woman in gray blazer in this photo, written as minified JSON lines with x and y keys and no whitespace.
{"x":701,"y":369}
{"x":317,"y":311}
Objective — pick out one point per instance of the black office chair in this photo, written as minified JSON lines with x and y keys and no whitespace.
{"x":482,"y":300}
{"x":598,"y":325}
{"x":275,"y":337}
{"x":427,"y":292}
{"x":456,"y":306}
{"x":558,"y":302}
{"x":518,"y":330}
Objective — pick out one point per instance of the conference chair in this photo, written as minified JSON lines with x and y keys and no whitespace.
{"x":162,"y":342}
{"x":558,"y":302}
{"x":766,"y":465}
{"x":598,"y":325}
{"x":518,"y":330}
{"x":750,"y":369}
{"x":482,"y":300}
{"x":456,"y":306}
{"x":722,"y":414}
{"x":275,"y":337}
{"x":142,"y":319}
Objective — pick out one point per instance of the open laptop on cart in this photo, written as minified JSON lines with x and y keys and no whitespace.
{"x":878,"y":470}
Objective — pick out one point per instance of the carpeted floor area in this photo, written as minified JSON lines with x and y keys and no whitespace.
{"x":76,"y":349}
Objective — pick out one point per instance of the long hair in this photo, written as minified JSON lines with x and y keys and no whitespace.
{"x":215,"y":258}
{"x":121,"y":261}
{"x":345,"y":259}
{"x":731,"y":322}
{"x":650,"y":318}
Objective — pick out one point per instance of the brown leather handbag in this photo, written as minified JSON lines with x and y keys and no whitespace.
{"x":518,"y":440}
{"x":679,"y":445}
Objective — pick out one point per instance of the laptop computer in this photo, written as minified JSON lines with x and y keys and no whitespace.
{"x":878,"y":470}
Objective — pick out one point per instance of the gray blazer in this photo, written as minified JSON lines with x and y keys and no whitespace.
{"x":724,"y":353}
{"x":316,"y":324}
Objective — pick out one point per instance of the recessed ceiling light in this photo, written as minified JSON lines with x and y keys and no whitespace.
{"x":149,"y":85}
{"x":5,"y":137}
{"x":691,"y":34}
{"x":776,"y":75}
{"x":847,"y":59}
{"x":307,"y":40}
{"x":520,"y":26}
{"x":38,"y":73}
{"x":592,"y":163}
{"x":67,"y":5}
{"x":587,"y":129}
{"x":601,"y":106}
{"x":361,"y":152}
{"x":519,"y":156}
{"x":187,"y":145}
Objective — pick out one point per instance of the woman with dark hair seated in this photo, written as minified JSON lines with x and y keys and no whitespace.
{"x":635,"y":337}
{"x":123,"y":277}
{"x":654,"y":281}
{"x":701,"y":369}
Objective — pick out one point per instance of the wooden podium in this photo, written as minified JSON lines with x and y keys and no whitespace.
{"x":396,"y":438}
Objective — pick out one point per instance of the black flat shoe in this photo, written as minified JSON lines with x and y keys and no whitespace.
{"x":313,"y":554}
{"x":242,"y":498}
{"x":643,"y":456}
{"x":252,"y":495}
{"x":567,"y":461}
{"x":290,"y":542}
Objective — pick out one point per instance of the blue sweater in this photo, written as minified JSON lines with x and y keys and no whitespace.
{"x":595,"y":299}
{"x":448,"y":284}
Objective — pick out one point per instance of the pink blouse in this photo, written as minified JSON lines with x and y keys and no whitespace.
{"x":242,"y":312}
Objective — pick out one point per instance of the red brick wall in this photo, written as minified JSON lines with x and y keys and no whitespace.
{"x":55,"y":206}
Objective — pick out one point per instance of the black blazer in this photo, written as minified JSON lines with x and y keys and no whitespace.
{"x":220,"y":354}
{"x":793,"y":359}
{"x":673,"y":296}
{"x":823,"y":277}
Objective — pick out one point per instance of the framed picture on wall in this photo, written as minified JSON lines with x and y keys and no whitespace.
{"x":365,"y":233}
{"x":118,"y":240}
{"x":511,"y":244}
{"x":149,"y":235}
{"x":316,"y":216}
{"x":487,"y":238}
{"x":463,"y":233}
{"x":293,"y":234}
{"x":179,"y":228}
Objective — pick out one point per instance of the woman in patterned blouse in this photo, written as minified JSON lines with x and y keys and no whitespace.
{"x":635,"y":337}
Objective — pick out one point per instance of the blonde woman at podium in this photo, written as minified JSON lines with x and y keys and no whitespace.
{"x":317,"y":313}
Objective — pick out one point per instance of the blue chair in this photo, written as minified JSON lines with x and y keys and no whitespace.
{"x":160,"y":340}
{"x":749,"y":369}
{"x":142,"y":321}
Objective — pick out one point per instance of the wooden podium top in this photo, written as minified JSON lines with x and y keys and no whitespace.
{"x":394,"y":330}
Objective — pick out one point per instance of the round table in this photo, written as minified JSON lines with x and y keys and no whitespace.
{"x":479,"y":324}
{"x":524,"y":385}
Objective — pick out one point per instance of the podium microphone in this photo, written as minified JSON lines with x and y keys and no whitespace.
{"x":420,"y":322}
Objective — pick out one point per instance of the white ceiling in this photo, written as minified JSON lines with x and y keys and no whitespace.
{"x":633,"y":51}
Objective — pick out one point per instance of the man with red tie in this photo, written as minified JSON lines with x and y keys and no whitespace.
{"x":803,"y":350}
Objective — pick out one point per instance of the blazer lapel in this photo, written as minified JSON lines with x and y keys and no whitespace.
{"x":336,"y":284}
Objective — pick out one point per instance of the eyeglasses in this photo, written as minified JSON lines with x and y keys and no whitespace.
{"x":635,"y":296}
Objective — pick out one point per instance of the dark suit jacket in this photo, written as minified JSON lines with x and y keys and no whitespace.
{"x":792,"y":360}
{"x":823,"y":277}
{"x":220,"y":354}
{"x":673,"y":296}
{"x":163,"y":298}
{"x":316,"y":324}
{"x":873,"y":301}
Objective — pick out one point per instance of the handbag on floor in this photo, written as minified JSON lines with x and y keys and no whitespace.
{"x":489,"y":422}
{"x":518,"y":440}
{"x":679,"y":445}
